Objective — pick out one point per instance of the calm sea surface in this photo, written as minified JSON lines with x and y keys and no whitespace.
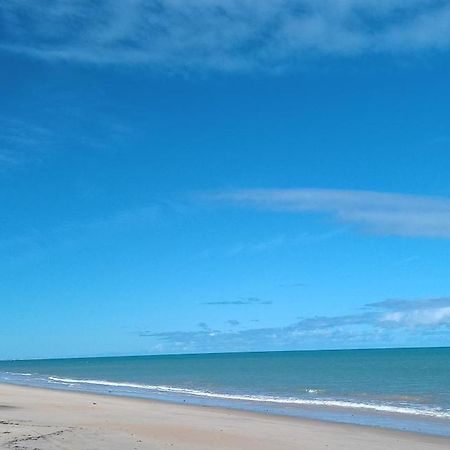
{"x":398,"y":388}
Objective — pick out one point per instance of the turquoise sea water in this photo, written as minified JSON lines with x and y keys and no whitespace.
{"x":399,"y":388}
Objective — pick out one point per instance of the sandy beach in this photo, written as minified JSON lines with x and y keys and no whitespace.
{"x":32,"y":418}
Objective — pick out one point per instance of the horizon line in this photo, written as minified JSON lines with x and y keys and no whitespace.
{"x":227,"y":353}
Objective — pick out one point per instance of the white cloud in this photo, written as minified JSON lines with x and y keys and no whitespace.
{"x":385,"y":213}
{"x":421,"y":313}
{"x":420,"y":317}
{"x":224,"y":35}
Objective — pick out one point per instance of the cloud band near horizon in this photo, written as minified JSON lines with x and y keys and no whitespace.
{"x":375,"y":323}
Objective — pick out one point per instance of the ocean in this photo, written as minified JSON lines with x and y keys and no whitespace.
{"x":405,"y":389}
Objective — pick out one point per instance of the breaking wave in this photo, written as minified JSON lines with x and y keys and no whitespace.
{"x":388,"y":408}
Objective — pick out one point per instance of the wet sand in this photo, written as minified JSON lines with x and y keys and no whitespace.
{"x":32,"y":418}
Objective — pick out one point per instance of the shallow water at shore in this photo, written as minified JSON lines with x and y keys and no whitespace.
{"x":400,"y":388}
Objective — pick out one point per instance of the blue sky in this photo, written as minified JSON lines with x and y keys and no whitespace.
{"x":223,"y":176}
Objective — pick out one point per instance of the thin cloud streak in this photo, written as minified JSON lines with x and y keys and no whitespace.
{"x":38,"y":242}
{"x":22,"y":142}
{"x":374,"y":212}
{"x":220,"y":35}
{"x":240,"y":302}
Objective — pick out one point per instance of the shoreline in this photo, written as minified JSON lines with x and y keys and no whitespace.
{"x":84,"y":420}
{"x":368,"y":417}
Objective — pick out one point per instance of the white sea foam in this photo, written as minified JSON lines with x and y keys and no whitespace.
{"x":23,"y":374}
{"x":429,"y":412}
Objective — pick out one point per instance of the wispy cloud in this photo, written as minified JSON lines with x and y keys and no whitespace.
{"x":271,"y":244}
{"x":203,"y":326}
{"x":375,"y":212}
{"x":28,"y":138}
{"x":120,"y":220}
{"x":258,"y":247}
{"x":22,"y":141}
{"x":39,"y":241}
{"x":292,"y":285}
{"x":374,"y":324}
{"x":225,"y":35}
{"x":240,"y":302}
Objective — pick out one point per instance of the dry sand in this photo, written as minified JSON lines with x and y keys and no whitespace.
{"x":34,"y":419}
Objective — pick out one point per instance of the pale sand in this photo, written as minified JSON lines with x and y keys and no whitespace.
{"x":45,"y":419}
